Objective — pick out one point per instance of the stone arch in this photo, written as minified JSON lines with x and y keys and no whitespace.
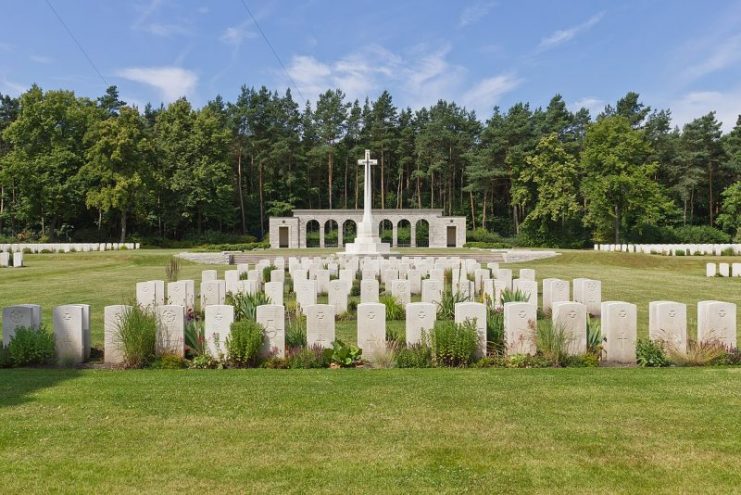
{"x":404,"y":233}
{"x":349,"y":230}
{"x":386,"y":230}
{"x":422,"y":233}
{"x":331,"y":233}
{"x":312,"y":233}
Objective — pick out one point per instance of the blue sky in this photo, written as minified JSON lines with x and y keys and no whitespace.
{"x":682,"y":55}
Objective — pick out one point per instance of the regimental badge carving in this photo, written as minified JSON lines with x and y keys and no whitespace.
{"x":16,"y":316}
{"x":422,"y":315}
{"x":672,"y":313}
{"x":66,"y":316}
{"x":623,"y":313}
{"x":320,"y":315}
{"x":168,"y":316}
{"x":371,"y":315}
{"x":219,"y":316}
{"x":722,"y":312}
{"x":522,"y":314}
{"x":572,"y":314}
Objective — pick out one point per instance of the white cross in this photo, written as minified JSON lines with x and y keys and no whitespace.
{"x":367,"y":160}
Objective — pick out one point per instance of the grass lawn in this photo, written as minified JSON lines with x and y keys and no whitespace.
{"x":371,"y":431}
{"x":594,"y":430}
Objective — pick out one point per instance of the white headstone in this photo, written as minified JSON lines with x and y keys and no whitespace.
{"x":274,"y":291}
{"x":667,"y":323}
{"x":171,"y":329}
{"x":69,"y":333}
{"x":371,"y":328}
{"x":619,"y":332}
{"x":716,"y":322}
{"x":400,"y":291}
{"x":554,"y":290}
{"x":4,"y":259}
{"x":710,"y":270}
{"x":571,"y":319}
{"x":432,"y":291}
{"x":208,"y":275}
{"x":320,"y":325}
{"x":231,"y":281}
{"x":724,"y":269}
{"x":213,"y":293}
{"x":21,"y":315}
{"x":305,"y":292}
{"x":217,"y":328}
{"x":18,"y":259}
{"x":589,"y":293}
{"x":322,"y":281}
{"x":475,"y":312}
{"x":272,"y":319}
{"x":338,"y":293}
{"x":520,"y":320}
{"x":146,"y":294}
{"x":277,"y":276}
{"x":505,"y":275}
{"x":527,"y":274}
{"x":113,"y":352}
{"x":420,"y":318}
{"x":529,"y":288}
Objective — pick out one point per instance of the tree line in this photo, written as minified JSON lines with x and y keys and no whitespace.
{"x":93,"y":169}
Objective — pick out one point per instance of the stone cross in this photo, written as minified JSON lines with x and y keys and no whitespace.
{"x":367,"y":194}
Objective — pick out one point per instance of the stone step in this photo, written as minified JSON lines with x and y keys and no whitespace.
{"x":481,"y":257}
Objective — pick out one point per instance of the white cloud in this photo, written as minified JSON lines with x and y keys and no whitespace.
{"x":474,"y":13}
{"x":726,"y":104}
{"x":720,"y":55}
{"x":13,"y":88}
{"x":40,"y":59}
{"x":171,"y":82}
{"x":235,"y":35}
{"x":487,"y":92}
{"x":591,"y":103}
{"x":563,"y":35}
{"x":164,"y":30}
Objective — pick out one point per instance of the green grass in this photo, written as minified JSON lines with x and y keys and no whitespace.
{"x":371,"y":431}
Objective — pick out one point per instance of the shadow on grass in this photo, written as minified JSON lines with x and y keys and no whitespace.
{"x":19,"y":385}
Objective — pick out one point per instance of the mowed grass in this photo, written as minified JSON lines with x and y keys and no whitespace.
{"x":102,"y":279}
{"x":577,"y":431}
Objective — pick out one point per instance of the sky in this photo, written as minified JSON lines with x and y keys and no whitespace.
{"x":680,"y":55}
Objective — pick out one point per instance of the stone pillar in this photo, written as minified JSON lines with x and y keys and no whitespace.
{"x":394,"y":236}
{"x":321,"y":234}
{"x":340,"y":233}
{"x":413,"y":234}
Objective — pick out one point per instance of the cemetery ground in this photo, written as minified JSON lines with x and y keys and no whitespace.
{"x":574,"y":430}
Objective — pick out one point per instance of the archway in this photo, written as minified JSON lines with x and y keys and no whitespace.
{"x":349,"y":231}
{"x":422,"y":228}
{"x":386,"y":231}
{"x":403,"y":233}
{"x":312,"y":233}
{"x":331,"y":234}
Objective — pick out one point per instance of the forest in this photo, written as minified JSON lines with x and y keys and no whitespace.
{"x":84,"y":169}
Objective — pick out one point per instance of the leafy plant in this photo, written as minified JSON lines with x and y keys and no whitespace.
{"x":266,"y":272}
{"x":31,"y":347}
{"x":509,"y":295}
{"x":394,"y":334}
{"x":394,"y":310}
{"x":245,"y":305}
{"x":205,"y":362}
{"x":295,"y":329}
{"x":414,"y":356}
{"x":195,"y":337}
{"x":454,"y":344}
{"x":308,"y":357}
{"x":168,"y":362}
{"x":172,"y":269}
{"x":244,"y":343}
{"x":345,"y":355}
{"x":446,"y":306}
{"x":137,"y":334}
{"x":594,"y":336}
{"x":552,"y":342}
{"x":650,"y":354}
{"x":495,"y":342}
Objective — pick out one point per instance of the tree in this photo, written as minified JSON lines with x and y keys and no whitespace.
{"x":618,"y":185}
{"x":331,"y":121}
{"x":730,"y":217}
{"x":117,"y":163}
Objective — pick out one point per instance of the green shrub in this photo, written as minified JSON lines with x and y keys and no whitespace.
{"x":446,"y":306}
{"x":4,"y":357}
{"x":729,"y":251}
{"x":394,"y":310}
{"x":266,"y":273}
{"x":395,"y":334}
{"x":552,"y":342}
{"x":245,"y":305}
{"x":414,"y":356}
{"x":594,"y":336}
{"x":195,"y":337}
{"x":582,"y":361}
{"x":508,"y":295}
{"x":137,"y":334}
{"x":454,"y":344}
{"x":345,"y":355}
{"x":650,"y":354}
{"x":495,"y":343}
{"x":31,"y":347}
{"x":205,"y":362}
{"x":698,"y":353}
{"x":527,"y":361}
{"x":168,"y":362}
{"x":244,"y":343}
{"x":295,"y":330}
{"x":355,"y":289}
{"x":698,"y":234}
{"x":308,"y":357}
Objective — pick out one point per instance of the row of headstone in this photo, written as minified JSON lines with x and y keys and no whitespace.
{"x":67,"y":247}
{"x":14,"y":260}
{"x":723,"y":270}
{"x":670,"y":249}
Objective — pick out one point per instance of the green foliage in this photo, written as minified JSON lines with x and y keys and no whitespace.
{"x":244,"y":343}
{"x":345,"y":355}
{"x":414,"y":356}
{"x":31,"y":347}
{"x":168,"y":362}
{"x":454,"y":344}
{"x":730,"y":217}
{"x":205,"y":362}
{"x":594,"y":335}
{"x":295,"y":330}
{"x":195,"y":337}
{"x":650,"y":354}
{"x":172,"y":269}
{"x":245,"y":305}
{"x":266,"y":272}
{"x":446,"y":305}
{"x":552,"y":342}
{"x":137,"y":335}
{"x":697,"y":234}
{"x":508,"y":295}
{"x":495,"y":342}
{"x":308,"y":358}
{"x":698,"y":353}
{"x":394,"y":310}
{"x":395,"y":334}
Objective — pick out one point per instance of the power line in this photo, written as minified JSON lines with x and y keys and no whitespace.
{"x":275,"y":54}
{"x":90,"y":61}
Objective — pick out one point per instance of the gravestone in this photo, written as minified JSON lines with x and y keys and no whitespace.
{"x":432,"y":291}
{"x":589,"y":293}
{"x":371,"y":328}
{"x":475,"y":312}
{"x":20,"y":315}
{"x":70,"y":328}
{"x":527,"y":274}
{"x":146,"y":294}
{"x":619,"y":332}
{"x":248,"y":287}
{"x":724,"y":269}
{"x":322,"y":281}
{"x":415,"y":281}
{"x":520,"y":320}
{"x":213,"y":293}
{"x":272,"y":318}
{"x":527,"y":287}
{"x":420,"y":317}
{"x":571,"y":319}
{"x":218,"y":327}
{"x":388,"y":275}
{"x":400,"y":291}
{"x":180,"y":294}
{"x":716,"y":322}
{"x":368,"y":275}
{"x":243,"y":269}
{"x":320,"y":325}
{"x":338,"y":292}
{"x":274,"y":291}
{"x":554,"y":290}
{"x":208,"y":275}
{"x":277,"y":276}
{"x":369,"y":290}
{"x":113,"y":352}
{"x":305,"y":293}
{"x":231,"y":281}
{"x":667,"y":323}
{"x":710,"y":270}
{"x":18,"y":259}
{"x":171,"y":329}
{"x":736,"y":270}
{"x":4,"y":259}
{"x":504,"y":275}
